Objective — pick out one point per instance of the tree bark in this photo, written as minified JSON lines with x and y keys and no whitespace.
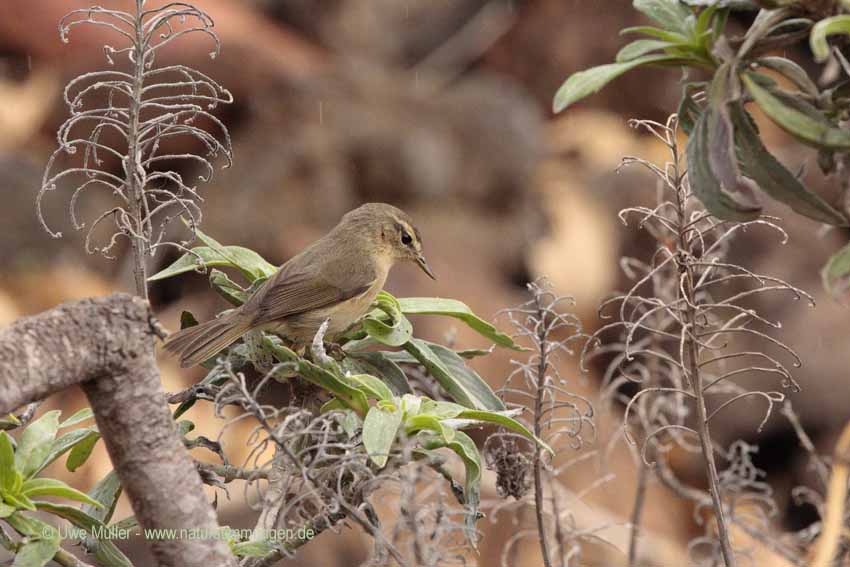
{"x":106,"y":345}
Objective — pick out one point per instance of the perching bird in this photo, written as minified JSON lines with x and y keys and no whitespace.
{"x":336,"y":278}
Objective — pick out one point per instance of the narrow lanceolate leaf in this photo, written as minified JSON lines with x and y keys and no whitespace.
{"x":379,"y":364}
{"x":703,"y":181}
{"x":463,"y":384}
{"x":36,"y":442}
{"x":458,"y":310}
{"x":722,"y":160}
{"x":83,"y":415}
{"x":773,"y":178}
{"x":373,"y":387}
{"x":836,"y":274}
{"x":505,"y":421}
{"x":465,"y":448}
{"x":81,"y":451}
{"x":802,"y":126}
{"x":202,"y":258}
{"x":823,"y":29}
{"x":63,"y":444}
{"x":670,"y":14}
{"x":227,"y":288}
{"x":585,"y":83}
{"x":641,"y":47}
{"x":379,"y":431}
{"x":37,"y":487}
{"x":315,"y":374}
{"x":791,"y":71}
{"x":7,"y":462}
{"x":42,"y":544}
{"x":106,"y":551}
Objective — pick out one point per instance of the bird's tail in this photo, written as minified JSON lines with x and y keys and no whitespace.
{"x":201,"y":342}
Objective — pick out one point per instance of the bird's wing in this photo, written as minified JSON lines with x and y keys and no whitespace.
{"x":288,"y":294}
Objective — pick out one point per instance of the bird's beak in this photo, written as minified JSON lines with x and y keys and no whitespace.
{"x":420,"y":259}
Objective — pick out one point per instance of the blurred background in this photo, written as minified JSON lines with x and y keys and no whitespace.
{"x":442,"y":108}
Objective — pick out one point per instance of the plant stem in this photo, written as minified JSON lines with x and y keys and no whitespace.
{"x":542,"y":367}
{"x":133,"y":170}
{"x":640,"y":494}
{"x":686,"y":271}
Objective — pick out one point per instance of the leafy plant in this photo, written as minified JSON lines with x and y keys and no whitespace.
{"x":727,"y":159}
{"x":22,"y":490}
{"x":365,"y":380}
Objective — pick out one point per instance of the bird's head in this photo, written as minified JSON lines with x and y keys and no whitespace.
{"x":391,"y":231}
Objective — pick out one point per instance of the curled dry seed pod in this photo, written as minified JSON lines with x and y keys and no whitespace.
{"x":682,"y":336}
{"x":120,"y":138}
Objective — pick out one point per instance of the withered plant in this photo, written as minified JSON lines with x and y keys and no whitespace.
{"x":133,"y":131}
{"x":686,"y":344}
{"x":527,"y":475}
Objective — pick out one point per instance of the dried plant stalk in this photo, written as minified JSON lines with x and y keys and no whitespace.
{"x":678,"y":333}
{"x":563,"y":419}
{"x":133,"y":118}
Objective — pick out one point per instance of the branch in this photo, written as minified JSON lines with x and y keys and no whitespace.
{"x":106,"y":345}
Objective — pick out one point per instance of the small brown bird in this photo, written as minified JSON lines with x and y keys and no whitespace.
{"x":336,"y":278}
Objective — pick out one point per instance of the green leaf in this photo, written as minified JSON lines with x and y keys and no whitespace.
{"x":394,"y":334}
{"x":369,"y":385}
{"x":732,"y":4}
{"x":670,"y":14}
{"x":35,"y":487}
{"x":106,"y":551}
{"x":640,"y":47}
{"x":248,"y":262}
{"x":465,"y":448}
{"x":6,"y":510}
{"x":422,"y":422}
{"x":214,"y":254}
{"x":84,"y":414}
{"x":227,"y":288}
{"x":106,"y":492}
{"x":379,"y":431}
{"x":28,"y":525}
{"x":773,"y":178}
{"x":505,"y":421}
{"x":63,"y":444}
{"x":802,"y":126}
{"x":823,"y":29}
{"x":442,"y":410}
{"x":378,"y":364}
{"x":42,"y":544}
{"x":585,"y":83}
{"x":463,"y":384}
{"x":703,"y":181}
{"x":658,"y":33}
{"x":82,"y":451}
{"x":7,"y":462}
{"x":458,"y":310}
{"x":836,"y":274}
{"x":252,"y":548}
{"x":315,"y":374}
{"x":35,"y":444}
{"x":689,"y":111}
{"x":19,"y":500}
{"x":791,"y":71}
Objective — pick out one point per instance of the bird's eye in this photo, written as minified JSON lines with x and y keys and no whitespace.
{"x":406,"y":239}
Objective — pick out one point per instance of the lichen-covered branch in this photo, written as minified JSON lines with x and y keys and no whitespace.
{"x":106,"y":345}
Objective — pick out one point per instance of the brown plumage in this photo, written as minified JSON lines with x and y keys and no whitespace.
{"x":336,"y":278}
